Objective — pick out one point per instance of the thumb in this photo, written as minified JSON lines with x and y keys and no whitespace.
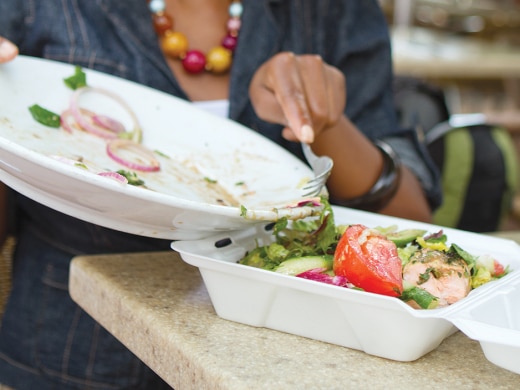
{"x":8,"y":50}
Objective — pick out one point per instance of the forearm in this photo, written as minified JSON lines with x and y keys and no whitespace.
{"x":358,"y":164}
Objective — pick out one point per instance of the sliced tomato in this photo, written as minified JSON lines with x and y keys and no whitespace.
{"x":498,"y":269}
{"x":369,"y":261}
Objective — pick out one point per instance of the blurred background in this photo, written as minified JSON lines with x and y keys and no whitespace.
{"x":469,"y":47}
{"x":470,"y":50}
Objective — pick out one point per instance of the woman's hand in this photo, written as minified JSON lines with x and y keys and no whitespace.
{"x":8,"y":50}
{"x":308,"y":97}
{"x":302,"y":93}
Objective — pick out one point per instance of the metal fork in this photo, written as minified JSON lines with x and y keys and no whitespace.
{"x":321,"y":166}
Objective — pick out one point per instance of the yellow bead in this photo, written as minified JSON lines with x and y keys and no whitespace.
{"x":174,"y":44}
{"x":218,"y":60}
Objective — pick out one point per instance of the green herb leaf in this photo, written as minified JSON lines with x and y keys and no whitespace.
{"x":161,"y":154}
{"x":44,"y":116}
{"x":76,"y":81}
{"x":81,"y":165}
{"x":423,"y":298}
{"x":132,"y":177}
{"x":280,"y":225}
{"x":327,"y":233}
{"x":466,"y":256}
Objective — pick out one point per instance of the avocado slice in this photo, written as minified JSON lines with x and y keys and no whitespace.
{"x":297,"y":265}
{"x":404,"y":237}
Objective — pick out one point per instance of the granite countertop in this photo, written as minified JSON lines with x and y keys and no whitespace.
{"x":158,"y":306}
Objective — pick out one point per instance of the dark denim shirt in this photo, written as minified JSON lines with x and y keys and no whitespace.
{"x":117,"y":37}
{"x":62,"y":346}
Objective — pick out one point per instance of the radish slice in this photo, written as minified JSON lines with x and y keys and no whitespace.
{"x":132,"y":155}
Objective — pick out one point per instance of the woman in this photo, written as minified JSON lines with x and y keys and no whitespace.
{"x":302,"y":70}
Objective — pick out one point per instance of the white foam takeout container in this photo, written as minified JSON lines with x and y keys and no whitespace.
{"x":376,"y":324}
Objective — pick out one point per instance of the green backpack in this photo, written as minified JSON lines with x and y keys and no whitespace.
{"x":477,"y":160}
{"x":479,"y":172}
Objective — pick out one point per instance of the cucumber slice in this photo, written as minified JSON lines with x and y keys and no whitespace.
{"x":421,"y":297}
{"x":404,"y":237}
{"x":297,"y":265}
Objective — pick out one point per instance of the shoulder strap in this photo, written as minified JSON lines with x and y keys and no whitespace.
{"x":456,"y":174}
{"x":505,"y":143}
{"x":455,"y":121}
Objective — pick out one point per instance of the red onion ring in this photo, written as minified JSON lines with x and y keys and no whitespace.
{"x":102,"y":127}
{"x":108,"y":123}
{"x":109,"y":174}
{"x":150,"y":165}
{"x":65,"y":160}
{"x":115,"y":176}
{"x":314,"y":202}
{"x":318,"y":275}
{"x":68,"y":121}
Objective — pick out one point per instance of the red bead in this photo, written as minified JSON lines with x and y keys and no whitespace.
{"x":229,"y":42}
{"x":194,"y":62}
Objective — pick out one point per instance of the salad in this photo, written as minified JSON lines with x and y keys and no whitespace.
{"x":421,"y":268}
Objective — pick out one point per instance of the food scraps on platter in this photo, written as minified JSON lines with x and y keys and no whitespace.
{"x":421,"y":268}
{"x":122,"y":143}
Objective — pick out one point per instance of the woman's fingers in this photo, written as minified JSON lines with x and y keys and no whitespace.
{"x":313,"y":73}
{"x":290,"y":92}
{"x":278,"y":96}
{"x":8,"y":50}
{"x":301,"y":92}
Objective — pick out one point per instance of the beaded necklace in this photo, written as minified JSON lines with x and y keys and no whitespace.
{"x":175,"y":44}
